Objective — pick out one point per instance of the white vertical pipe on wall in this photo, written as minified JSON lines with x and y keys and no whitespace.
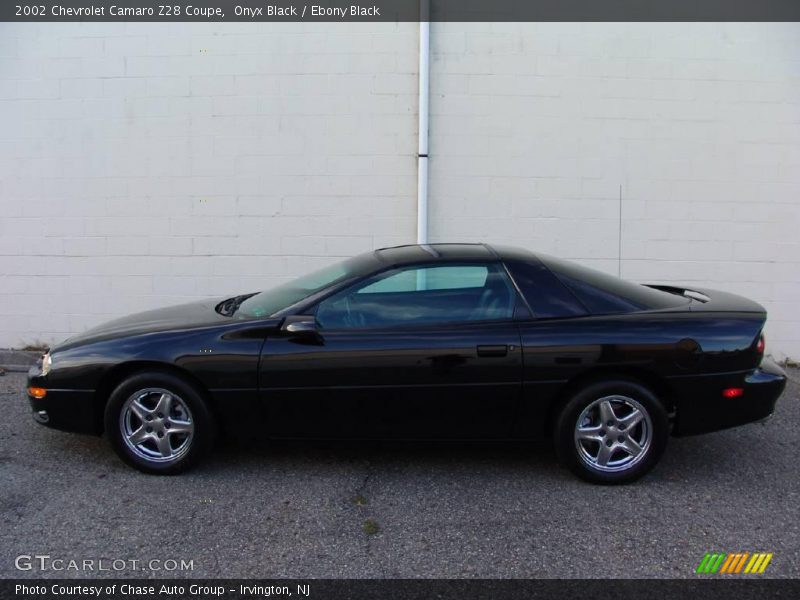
{"x":424,"y":91}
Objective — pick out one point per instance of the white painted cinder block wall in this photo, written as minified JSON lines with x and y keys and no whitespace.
{"x":537,"y":126}
{"x":144,"y":165}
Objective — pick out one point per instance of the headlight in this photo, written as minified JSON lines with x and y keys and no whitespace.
{"x":46,"y":363}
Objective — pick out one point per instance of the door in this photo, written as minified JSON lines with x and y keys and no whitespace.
{"x":414,"y":352}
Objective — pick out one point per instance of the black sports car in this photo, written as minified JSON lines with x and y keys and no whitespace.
{"x":453,"y":341}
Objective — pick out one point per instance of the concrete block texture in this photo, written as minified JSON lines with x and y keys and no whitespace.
{"x":143,"y":165}
{"x":538,"y":129}
{"x":159,"y":164}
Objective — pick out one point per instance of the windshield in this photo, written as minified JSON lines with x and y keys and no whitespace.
{"x":269,"y":302}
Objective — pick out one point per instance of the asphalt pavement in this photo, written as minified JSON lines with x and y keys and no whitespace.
{"x":320,"y":510}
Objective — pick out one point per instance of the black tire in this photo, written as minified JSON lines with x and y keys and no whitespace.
{"x":192,"y":427}
{"x":622,"y":462}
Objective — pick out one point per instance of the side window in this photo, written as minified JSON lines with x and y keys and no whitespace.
{"x":598,"y":300}
{"x":547,"y":296}
{"x":430,"y":278}
{"x":421,"y":295}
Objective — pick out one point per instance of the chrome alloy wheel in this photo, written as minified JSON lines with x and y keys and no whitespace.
{"x":156,"y":425}
{"x":613,"y":433}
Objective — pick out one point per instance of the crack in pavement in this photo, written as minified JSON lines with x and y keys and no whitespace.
{"x":367,"y":521}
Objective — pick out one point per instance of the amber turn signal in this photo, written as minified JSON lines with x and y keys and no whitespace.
{"x":37,"y":392}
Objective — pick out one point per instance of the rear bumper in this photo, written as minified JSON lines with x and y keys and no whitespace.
{"x":67,"y":410}
{"x":701,"y":408}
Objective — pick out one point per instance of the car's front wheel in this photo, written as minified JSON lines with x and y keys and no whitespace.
{"x":158,"y":423}
{"x":612,"y":432}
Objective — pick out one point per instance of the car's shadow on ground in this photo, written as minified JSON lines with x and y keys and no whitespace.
{"x":686,"y":459}
{"x":431,"y":453}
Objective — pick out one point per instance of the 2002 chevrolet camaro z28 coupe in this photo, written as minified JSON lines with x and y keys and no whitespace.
{"x":447,"y":341}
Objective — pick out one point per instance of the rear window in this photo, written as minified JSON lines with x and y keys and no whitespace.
{"x":605,"y":294}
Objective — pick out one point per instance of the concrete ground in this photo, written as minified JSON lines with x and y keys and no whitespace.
{"x":342,"y":510}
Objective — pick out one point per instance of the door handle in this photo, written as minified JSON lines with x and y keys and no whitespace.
{"x":499,"y":350}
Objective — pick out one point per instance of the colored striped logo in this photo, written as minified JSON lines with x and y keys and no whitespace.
{"x":729,"y":564}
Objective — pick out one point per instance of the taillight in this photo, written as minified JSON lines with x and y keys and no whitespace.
{"x":761,"y":344}
{"x":732,"y":392}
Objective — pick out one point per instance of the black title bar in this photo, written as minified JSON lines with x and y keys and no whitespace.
{"x":399,"y":10}
{"x":708,"y":588}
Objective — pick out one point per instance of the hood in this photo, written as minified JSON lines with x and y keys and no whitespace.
{"x":181,"y":317}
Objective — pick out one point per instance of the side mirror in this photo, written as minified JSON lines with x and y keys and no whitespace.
{"x":301,"y":327}
{"x":303,"y":330}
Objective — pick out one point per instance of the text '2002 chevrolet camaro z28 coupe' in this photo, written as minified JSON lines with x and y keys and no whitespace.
{"x":444,"y":341}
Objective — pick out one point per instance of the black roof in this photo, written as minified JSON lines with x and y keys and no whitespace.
{"x":423,"y":253}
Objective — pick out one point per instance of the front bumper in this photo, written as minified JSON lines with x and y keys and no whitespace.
{"x":701,"y":408}
{"x":67,"y":410}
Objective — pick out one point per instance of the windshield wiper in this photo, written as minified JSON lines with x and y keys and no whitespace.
{"x":228,"y":307}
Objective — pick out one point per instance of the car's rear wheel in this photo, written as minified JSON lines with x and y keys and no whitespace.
{"x":612,"y":432}
{"x":158,"y":423}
